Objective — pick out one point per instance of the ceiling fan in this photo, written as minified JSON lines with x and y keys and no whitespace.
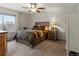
{"x":34,"y":8}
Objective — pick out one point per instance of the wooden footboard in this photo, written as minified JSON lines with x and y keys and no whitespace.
{"x":31,"y":44}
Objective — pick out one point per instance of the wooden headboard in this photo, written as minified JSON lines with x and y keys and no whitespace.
{"x":42,"y":23}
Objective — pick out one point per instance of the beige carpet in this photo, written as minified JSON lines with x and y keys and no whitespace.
{"x":45,"y":48}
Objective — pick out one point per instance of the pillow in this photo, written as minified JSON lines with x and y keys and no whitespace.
{"x":42,"y":27}
{"x":35,"y":27}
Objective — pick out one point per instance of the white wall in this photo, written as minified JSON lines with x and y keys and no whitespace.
{"x":78,"y":9}
{"x":23,"y":20}
{"x":59,"y":13}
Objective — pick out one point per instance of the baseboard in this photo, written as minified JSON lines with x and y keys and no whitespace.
{"x":10,"y":40}
{"x":73,"y":53}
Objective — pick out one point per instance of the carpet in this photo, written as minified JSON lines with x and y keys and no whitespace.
{"x":44,"y":48}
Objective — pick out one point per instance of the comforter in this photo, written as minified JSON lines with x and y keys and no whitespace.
{"x":29,"y":37}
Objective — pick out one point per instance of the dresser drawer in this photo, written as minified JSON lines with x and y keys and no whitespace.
{"x":2,"y":51}
{"x":2,"y":39}
{"x":52,"y":32}
{"x":52,"y":35}
{"x":3,"y":43}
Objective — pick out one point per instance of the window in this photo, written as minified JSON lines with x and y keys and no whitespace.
{"x":7,"y":22}
{"x":1,"y":26}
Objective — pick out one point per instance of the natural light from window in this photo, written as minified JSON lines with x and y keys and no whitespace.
{"x":7,"y":22}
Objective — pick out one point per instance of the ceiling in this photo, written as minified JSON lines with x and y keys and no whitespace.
{"x":18,"y":6}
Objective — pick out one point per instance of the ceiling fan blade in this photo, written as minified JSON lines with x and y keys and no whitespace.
{"x":41,"y":8}
{"x":38,"y":11}
{"x":26,"y":7}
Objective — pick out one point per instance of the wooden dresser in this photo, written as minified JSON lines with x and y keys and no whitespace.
{"x":3,"y":43}
{"x":53,"y":35}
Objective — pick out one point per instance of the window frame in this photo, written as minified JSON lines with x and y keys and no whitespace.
{"x":3,"y":20}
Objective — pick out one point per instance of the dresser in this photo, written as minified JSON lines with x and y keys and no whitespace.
{"x":3,"y":43}
{"x":53,"y":35}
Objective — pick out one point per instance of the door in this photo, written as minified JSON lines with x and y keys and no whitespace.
{"x":73,"y":33}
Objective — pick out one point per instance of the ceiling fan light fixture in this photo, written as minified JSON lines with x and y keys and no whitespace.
{"x":33,"y":10}
{"x":32,"y":6}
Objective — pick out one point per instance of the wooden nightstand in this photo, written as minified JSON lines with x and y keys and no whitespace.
{"x":53,"y":35}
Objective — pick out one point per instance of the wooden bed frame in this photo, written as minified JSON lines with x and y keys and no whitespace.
{"x":40,"y":39}
{"x":42,"y":23}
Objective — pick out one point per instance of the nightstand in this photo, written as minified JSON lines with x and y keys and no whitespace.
{"x":53,"y":35}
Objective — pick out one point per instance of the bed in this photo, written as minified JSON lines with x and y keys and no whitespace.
{"x":34,"y":36}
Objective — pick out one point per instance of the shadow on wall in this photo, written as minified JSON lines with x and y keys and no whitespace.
{"x":61,"y":33}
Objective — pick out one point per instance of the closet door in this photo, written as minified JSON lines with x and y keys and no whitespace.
{"x":73,"y":33}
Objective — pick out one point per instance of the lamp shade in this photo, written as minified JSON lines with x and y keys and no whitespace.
{"x":53,"y":21}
